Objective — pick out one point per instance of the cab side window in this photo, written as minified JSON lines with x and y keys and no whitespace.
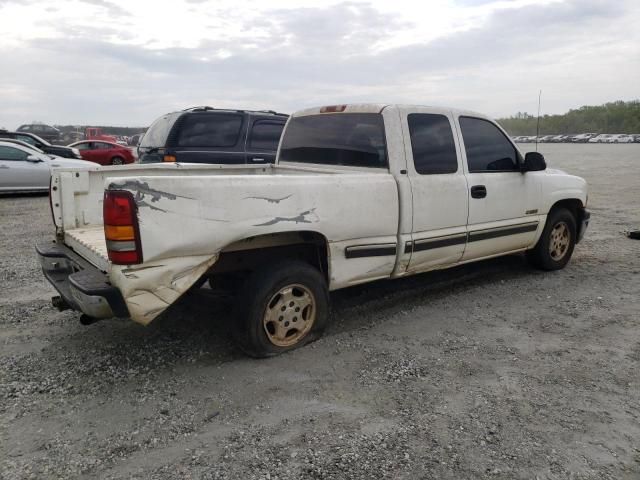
{"x":488,"y":149}
{"x":434,"y":150}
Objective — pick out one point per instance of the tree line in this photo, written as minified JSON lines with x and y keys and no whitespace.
{"x":613,"y":117}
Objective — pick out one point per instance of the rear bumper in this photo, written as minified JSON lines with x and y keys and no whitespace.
{"x":82,"y":286}
{"x":584,"y":223}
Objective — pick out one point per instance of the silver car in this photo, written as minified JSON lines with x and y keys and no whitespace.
{"x":27,"y":169}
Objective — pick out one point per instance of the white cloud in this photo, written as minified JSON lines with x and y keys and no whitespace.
{"x":124,"y":63}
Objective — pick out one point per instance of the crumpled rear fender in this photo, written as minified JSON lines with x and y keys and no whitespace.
{"x":148,"y":289}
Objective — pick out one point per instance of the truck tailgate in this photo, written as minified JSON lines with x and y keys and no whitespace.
{"x":89,"y":243}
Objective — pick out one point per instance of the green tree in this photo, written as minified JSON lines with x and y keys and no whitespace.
{"x":613,"y":117}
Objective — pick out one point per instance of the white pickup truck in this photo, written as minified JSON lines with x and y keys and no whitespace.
{"x":358,"y":193}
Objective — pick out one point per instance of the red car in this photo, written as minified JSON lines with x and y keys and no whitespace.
{"x":104,"y":153}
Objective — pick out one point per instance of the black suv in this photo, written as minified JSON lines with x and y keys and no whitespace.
{"x":43,"y":131}
{"x":211,"y":135}
{"x":42,"y":144}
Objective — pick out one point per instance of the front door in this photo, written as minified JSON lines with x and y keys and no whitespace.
{"x":503,"y":202}
{"x":438,"y":187}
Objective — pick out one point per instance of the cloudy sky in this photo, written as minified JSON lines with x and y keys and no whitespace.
{"x":126,"y":62}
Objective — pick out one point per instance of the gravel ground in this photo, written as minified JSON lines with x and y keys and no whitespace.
{"x":491,"y":370}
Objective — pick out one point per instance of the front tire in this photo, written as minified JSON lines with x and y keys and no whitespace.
{"x":555,"y":246}
{"x":289,"y":308}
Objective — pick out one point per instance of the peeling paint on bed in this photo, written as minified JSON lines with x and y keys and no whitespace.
{"x":300,"y":218}
{"x":270,"y":200}
{"x":142,"y":203}
{"x":142,"y":189}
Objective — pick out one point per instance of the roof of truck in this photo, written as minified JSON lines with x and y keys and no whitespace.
{"x":378,"y":107}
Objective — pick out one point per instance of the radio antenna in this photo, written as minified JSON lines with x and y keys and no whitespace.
{"x":538,"y":122}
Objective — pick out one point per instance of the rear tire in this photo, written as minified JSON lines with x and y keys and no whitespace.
{"x":281,"y":307}
{"x":555,"y":246}
{"x":117,"y":161}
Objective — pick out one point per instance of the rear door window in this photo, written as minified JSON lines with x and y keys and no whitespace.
{"x":265,"y":135}
{"x":487,"y":148}
{"x":432,"y":144}
{"x":351,"y":139}
{"x":209,"y":130}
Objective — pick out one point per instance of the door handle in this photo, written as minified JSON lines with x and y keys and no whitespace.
{"x":257,"y":159}
{"x":478,"y":191}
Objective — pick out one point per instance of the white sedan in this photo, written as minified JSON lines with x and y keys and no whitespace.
{"x":24,"y":169}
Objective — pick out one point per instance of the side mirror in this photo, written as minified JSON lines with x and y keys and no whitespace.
{"x":534,"y":162}
{"x":33,"y":159}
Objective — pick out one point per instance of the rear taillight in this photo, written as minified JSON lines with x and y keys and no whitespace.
{"x":121,"y":230}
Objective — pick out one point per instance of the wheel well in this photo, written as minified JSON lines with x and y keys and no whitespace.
{"x":251,"y":253}
{"x":574,"y":205}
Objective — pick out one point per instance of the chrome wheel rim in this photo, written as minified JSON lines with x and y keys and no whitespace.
{"x":559,"y":241}
{"x":289,"y":315}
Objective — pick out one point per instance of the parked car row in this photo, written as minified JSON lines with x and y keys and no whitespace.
{"x":41,"y":143}
{"x":194,"y":135}
{"x":53,"y":135}
{"x":580,"y":138}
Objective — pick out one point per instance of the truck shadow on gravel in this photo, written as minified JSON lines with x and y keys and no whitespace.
{"x":199,"y":315}
{"x":198,"y":326}
{"x":195,"y":332}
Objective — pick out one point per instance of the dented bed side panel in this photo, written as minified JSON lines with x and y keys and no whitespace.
{"x":186,"y":221}
{"x":189,"y":216}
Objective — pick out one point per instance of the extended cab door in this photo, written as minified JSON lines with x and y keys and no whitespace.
{"x":438,"y":187}
{"x":503,"y":202}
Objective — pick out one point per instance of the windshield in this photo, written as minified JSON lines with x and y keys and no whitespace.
{"x":158,"y":132}
{"x":351,"y":139}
